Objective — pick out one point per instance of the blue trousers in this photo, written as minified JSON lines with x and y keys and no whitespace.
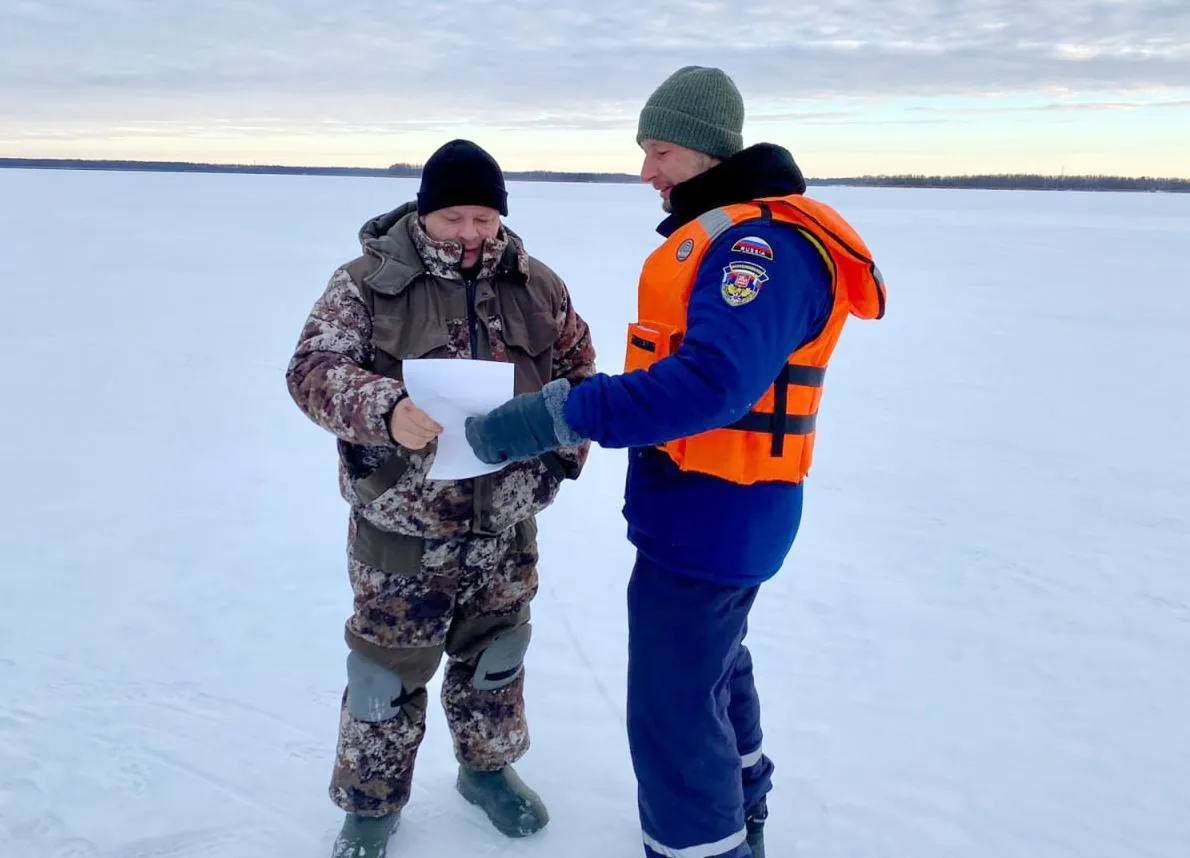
{"x":693,"y":714}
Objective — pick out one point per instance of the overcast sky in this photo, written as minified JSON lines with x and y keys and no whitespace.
{"x":857,"y":86}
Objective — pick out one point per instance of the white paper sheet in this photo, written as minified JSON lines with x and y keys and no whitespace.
{"x":450,"y":390}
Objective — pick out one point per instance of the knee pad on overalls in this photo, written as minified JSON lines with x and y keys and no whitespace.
{"x":374,"y":692}
{"x":500,"y":662}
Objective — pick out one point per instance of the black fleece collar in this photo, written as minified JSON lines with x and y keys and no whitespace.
{"x":761,"y":170}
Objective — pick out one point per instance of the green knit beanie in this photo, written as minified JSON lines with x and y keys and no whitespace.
{"x":696,"y":107}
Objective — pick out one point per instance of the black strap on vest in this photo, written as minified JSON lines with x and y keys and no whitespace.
{"x":780,"y":404}
{"x":779,"y":423}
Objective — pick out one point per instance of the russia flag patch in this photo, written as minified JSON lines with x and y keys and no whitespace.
{"x":754,"y":246}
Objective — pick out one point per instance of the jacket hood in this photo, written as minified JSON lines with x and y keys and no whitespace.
{"x":377,"y":233}
{"x":387,"y":237}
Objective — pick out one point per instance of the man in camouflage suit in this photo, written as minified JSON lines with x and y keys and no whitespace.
{"x":438,"y":568}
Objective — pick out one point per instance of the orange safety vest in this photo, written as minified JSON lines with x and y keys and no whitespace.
{"x":774,"y":441}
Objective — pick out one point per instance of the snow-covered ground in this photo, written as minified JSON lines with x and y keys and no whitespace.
{"x":977,"y":648}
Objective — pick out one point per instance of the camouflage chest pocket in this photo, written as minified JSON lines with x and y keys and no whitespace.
{"x":402,"y":328}
{"x":528,"y":340}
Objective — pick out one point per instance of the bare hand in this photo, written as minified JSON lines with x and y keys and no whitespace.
{"x":411,"y":427}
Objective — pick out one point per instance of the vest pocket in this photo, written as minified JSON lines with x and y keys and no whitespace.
{"x":528,"y":342}
{"x":649,"y":342}
{"x":403,"y":328}
{"x":413,"y":340}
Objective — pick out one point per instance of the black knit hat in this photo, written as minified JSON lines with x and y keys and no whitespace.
{"x":461,"y":174}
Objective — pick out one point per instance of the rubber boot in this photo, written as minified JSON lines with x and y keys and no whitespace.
{"x":755,"y":824}
{"x":364,"y":836}
{"x":513,"y":808}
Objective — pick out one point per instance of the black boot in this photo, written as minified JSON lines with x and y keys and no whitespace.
{"x":513,"y":808}
{"x":754,"y":820}
{"x":364,"y":836}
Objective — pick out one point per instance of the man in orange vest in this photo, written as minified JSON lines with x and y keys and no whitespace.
{"x":739,"y":311}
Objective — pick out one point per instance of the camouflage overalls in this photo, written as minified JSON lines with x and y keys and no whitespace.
{"x":438,"y":568}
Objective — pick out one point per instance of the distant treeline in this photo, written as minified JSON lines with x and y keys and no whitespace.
{"x":1019,"y":181}
{"x":413,"y":171}
{"x":394,"y":171}
{"x":184,"y":167}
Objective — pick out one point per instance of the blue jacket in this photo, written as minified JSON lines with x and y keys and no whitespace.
{"x":694,"y":523}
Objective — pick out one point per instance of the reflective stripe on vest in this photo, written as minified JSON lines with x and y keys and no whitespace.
{"x":775,"y":440}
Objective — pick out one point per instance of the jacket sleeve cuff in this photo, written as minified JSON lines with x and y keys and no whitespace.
{"x":379,"y":421}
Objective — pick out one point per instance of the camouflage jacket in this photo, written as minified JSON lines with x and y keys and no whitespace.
{"x":404,"y":297}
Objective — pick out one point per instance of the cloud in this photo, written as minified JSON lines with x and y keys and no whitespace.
{"x":1054,"y":107}
{"x":572,"y":63}
{"x":1115,"y":105}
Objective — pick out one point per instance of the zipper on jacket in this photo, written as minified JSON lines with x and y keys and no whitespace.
{"x":472,"y":320}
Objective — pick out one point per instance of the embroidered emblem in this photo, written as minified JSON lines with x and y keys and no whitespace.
{"x":754,"y":246}
{"x":741,"y":282}
{"x":685,"y":249}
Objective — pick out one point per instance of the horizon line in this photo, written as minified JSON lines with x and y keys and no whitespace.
{"x":409,"y":170}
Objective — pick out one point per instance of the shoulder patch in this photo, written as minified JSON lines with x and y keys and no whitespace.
{"x":754,"y":245}
{"x":684,"y":249}
{"x":741,"y":282}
